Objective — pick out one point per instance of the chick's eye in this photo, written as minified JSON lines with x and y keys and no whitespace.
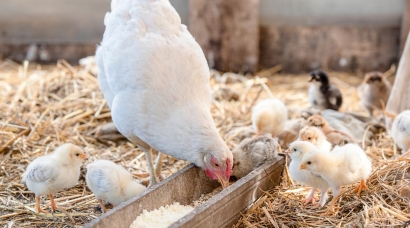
{"x":309,"y":138}
{"x":294,"y":149}
{"x":77,"y":154}
{"x":309,"y":162}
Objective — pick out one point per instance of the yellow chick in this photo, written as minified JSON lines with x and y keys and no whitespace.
{"x":54,"y":172}
{"x":111,"y":182}
{"x":269,"y":116}
{"x":345,"y":165}
{"x":297,"y":151}
{"x":334,"y":136}
{"x":374,"y":89}
{"x":315,"y":136}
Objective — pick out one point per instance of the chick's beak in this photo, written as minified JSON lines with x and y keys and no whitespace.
{"x":224,"y":182}
{"x":84,"y":156}
{"x":311,"y":79}
{"x":303,"y":166}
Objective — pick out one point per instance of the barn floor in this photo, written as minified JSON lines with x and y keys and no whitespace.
{"x":43,"y":106}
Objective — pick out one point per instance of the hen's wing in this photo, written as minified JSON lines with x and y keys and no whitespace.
{"x":156,"y":73}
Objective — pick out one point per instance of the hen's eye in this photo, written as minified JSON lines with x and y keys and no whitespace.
{"x":309,"y":162}
{"x":216,"y":164}
{"x":77,"y":154}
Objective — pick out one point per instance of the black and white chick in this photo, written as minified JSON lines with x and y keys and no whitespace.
{"x":323,"y":95}
{"x":252,"y":153}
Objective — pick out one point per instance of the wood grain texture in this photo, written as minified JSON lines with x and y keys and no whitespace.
{"x":228,"y":32}
{"x":186,"y":186}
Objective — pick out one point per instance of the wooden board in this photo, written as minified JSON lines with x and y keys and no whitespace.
{"x":228,"y":32}
{"x":186,"y":186}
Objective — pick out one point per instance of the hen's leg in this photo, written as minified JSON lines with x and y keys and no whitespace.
{"x":158,"y":166}
{"x":152,"y":176}
{"x":38,"y":207}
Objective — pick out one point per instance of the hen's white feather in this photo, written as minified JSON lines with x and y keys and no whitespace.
{"x":155,"y":78}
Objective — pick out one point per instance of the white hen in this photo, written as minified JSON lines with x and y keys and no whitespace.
{"x":296,"y":151}
{"x":54,"y":172}
{"x":345,"y":165}
{"x":155,"y":78}
{"x":111,"y":182}
{"x":269,"y":116}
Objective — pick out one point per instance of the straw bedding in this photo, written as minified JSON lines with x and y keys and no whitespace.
{"x":42,"y":107}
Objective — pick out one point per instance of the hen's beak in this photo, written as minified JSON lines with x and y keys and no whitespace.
{"x":303,"y":166}
{"x":224,"y":183}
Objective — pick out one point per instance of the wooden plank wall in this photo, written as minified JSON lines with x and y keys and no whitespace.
{"x":301,"y":35}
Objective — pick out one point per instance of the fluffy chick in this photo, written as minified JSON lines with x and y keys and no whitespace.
{"x":400,"y":131}
{"x":111,"y":182}
{"x":297,"y":150}
{"x":54,"y":172}
{"x":269,"y":116}
{"x":315,"y":136}
{"x":345,"y":165}
{"x":334,"y":136}
{"x":252,"y":153}
{"x":374,"y":89}
{"x":323,"y":95}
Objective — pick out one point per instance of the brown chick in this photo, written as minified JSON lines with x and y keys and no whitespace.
{"x":316,"y":137}
{"x":291,"y":131}
{"x":252,"y":153}
{"x":374,"y":89}
{"x":334,"y":136}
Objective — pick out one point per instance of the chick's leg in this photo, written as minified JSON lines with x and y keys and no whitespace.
{"x":361,"y":186}
{"x":331,"y":210}
{"x":323,"y":199}
{"x":52,"y":203}
{"x":311,"y":198}
{"x":103,"y":208}
{"x":38,"y":207}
